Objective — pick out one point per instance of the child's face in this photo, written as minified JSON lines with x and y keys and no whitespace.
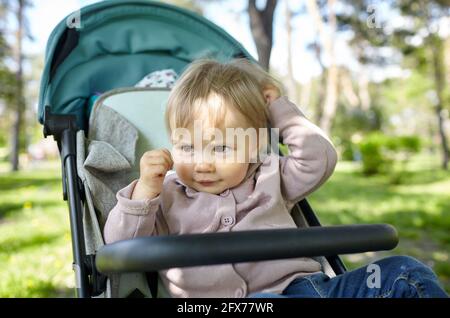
{"x":216,"y":164}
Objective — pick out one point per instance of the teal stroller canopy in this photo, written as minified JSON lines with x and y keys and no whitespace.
{"x":117,"y":42}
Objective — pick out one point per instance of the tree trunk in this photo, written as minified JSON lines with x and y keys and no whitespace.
{"x":330,"y":103}
{"x":439,"y":84}
{"x":19,"y":100}
{"x":261,"y":26}
{"x":347,"y":90}
{"x":322,"y":82}
{"x":363,"y":92}
{"x":305,"y":96}
{"x":291,"y":83}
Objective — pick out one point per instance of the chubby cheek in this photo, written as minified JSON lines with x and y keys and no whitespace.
{"x":233,"y":173}
{"x":184,"y":171}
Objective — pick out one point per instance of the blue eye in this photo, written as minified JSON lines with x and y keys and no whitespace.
{"x":222,"y":148}
{"x":187,"y":148}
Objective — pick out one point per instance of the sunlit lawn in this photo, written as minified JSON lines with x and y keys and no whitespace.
{"x":35,"y":248}
{"x":419,"y":208}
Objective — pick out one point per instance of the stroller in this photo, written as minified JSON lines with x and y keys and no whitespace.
{"x":86,"y":99}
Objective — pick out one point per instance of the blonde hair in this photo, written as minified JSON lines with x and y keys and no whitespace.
{"x":239,"y":83}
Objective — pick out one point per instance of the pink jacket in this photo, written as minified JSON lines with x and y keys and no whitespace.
{"x":262,"y":201}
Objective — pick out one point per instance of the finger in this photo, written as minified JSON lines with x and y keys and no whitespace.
{"x":154,"y":153}
{"x":155,"y":171}
{"x":154,"y":160}
{"x":159,"y":156}
{"x":167,"y":155}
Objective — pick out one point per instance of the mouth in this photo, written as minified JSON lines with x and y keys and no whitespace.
{"x":206,"y":183}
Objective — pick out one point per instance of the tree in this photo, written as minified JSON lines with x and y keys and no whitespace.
{"x":417,"y":40}
{"x":19,"y":100}
{"x":293,"y":87}
{"x":331,"y":95}
{"x":436,"y":47}
{"x":291,"y":83}
{"x":7,"y":79}
{"x":261,"y":25}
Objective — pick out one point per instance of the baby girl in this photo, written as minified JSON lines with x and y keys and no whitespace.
{"x":230,"y":183}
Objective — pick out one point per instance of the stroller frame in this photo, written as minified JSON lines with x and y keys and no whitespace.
{"x":88,"y":281}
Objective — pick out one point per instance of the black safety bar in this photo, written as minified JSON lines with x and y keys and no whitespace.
{"x":154,"y":253}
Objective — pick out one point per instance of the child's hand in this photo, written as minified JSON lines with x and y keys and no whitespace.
{"x":154,"y":165}
{"x":271,"y":93}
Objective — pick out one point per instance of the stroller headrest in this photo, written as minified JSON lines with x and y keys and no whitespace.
{"x":144,"y":108}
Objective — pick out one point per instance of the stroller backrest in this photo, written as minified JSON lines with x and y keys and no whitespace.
{"x":124,"y":123}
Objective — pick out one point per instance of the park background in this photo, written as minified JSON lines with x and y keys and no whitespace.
{"x":373,"y":74}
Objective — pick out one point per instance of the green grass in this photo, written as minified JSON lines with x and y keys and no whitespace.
{"x":35,"y":247}
{"x":419,"y":208}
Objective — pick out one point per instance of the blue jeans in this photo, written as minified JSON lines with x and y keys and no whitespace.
{"x":399,"y":277}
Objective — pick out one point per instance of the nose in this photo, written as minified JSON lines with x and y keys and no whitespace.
{"x":204,"y":167}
